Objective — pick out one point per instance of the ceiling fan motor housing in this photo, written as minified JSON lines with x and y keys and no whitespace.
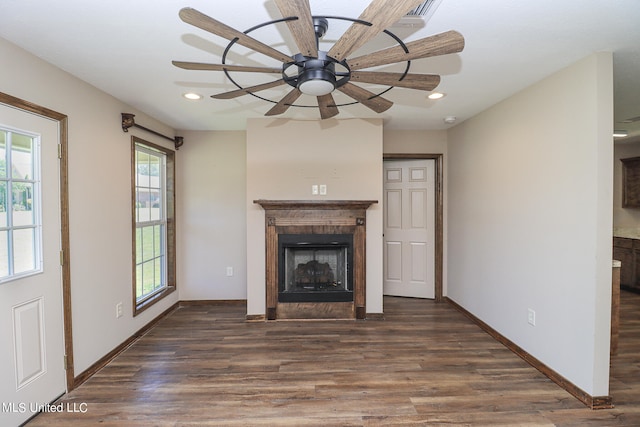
{"x":316,"y":76}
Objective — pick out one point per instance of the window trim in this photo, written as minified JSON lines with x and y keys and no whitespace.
{"x":140,"y":306}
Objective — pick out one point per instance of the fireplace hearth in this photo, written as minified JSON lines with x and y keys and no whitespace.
{"x":315,"y":258}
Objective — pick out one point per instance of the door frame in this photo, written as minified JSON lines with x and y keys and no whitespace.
{"x":62,"y":120}
{"x":439,"y":215}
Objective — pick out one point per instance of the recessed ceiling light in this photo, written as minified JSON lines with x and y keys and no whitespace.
{"x":192,"y":96}
{"x":619,"y":133}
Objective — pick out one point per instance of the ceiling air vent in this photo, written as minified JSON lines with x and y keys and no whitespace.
{"x":418,"y":17}
{"x":426,"y":8}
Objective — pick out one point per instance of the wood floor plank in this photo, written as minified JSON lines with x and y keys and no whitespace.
{"x":425,"y":364}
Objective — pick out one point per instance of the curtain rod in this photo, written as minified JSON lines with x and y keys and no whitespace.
{"x":129,"y":121}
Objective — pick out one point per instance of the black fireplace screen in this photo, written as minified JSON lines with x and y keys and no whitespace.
{"x":315,"y":267}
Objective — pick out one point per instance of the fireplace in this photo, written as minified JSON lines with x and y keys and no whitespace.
{"x":315,"y":268}
{"x":315,"y":258}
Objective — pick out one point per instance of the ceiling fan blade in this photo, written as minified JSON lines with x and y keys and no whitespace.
{"x":223,"y":67}
{"x":302,"y":28}
{"x":411,"y":81}
{"x":246,"y":90}
{"x":207,"y":23}
{"x":284,"y":103}
{"x":363,"y":96}
{"x":381,"y":14}
{"x":439,"y":44}
{"x":327,"y":106}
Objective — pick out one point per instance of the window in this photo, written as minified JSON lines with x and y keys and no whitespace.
{"x":20,"y":222}
{"x":154,"y":225}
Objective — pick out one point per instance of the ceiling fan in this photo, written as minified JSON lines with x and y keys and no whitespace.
{"x":318,"y":73}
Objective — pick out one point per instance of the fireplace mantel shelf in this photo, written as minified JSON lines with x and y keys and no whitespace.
{"x":314,"y":204}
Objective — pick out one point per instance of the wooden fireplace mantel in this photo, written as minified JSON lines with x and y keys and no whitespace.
{"x":314,"y":204}
{"x":315,"y":217}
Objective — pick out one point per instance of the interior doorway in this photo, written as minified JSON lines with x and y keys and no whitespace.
{"x":420,"y":245}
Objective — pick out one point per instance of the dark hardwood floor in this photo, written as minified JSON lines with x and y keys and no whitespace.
{"x":426,"y":364}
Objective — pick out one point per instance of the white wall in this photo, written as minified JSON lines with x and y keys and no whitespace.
{"x":530,"y":223}
{"x":99,"y":199}
{"x":212,"y":220}
{"x":285,"y":158}
{"x":212,"y":189}
{"x":415,"y":142}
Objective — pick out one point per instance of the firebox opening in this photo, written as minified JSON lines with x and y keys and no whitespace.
{"x":315,"y":267}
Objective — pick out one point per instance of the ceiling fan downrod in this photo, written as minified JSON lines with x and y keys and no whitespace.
{"x":320,"y":26}
{"x":316,"y":76}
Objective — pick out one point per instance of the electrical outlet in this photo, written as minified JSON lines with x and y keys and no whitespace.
{"x":118,"y":310}
{"x":323,"y":190}
{"x":314,"y":190}
{"x":229,"y":271}
{"x":531,"y":317}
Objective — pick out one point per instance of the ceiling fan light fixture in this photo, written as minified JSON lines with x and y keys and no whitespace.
{"x":436,"y":95}
{"x":316,"y":87}
{"x":317,"y":77}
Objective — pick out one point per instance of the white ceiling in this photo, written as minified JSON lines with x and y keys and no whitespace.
{"x":125,"y":48}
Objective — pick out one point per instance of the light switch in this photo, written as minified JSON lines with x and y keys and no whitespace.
{"x":323,"y":190}
{"x":314,"y":189}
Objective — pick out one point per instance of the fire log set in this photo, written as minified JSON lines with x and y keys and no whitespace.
{"x":315,"y":275}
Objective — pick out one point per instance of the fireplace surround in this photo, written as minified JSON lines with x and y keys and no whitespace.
{"x":315,"y":258}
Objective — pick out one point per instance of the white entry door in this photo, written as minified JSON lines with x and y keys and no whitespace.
{"x":409,"y":228}
{"x":31,"y":307}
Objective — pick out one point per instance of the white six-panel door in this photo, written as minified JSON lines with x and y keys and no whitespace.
{"x":409,"y":228}
{"x":31,"y":307}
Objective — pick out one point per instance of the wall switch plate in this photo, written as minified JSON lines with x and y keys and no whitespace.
{"x":118,"y":310}
{"x":314,"y":190}
{"x":323,"y":190}
{"x":531,"y":317}
{"x":229,"y":271}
